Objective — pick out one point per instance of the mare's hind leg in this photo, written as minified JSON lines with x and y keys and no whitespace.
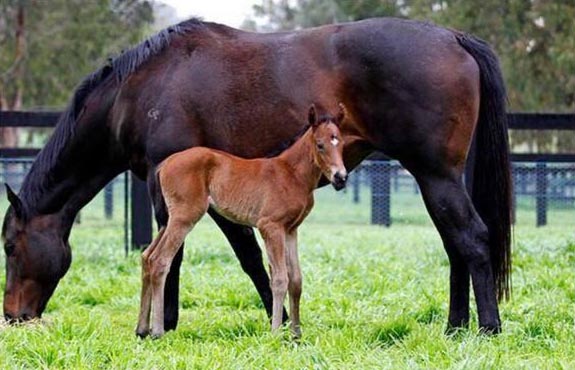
{"x":143,"y":328}
{"x":245,"y":246}
{"x":465,"y":238}
{"x":294,"y":282}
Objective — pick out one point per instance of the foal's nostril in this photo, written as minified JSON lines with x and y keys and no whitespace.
{"x":340,"y":178}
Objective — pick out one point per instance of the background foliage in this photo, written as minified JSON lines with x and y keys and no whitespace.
{"x":64,"y":41}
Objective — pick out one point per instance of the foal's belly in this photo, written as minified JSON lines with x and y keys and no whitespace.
{"x":239,"y":215}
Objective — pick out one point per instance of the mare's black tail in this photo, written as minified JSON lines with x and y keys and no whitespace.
{"x":492,"y":185}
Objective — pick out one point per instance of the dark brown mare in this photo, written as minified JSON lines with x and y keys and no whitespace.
{"x":273,"y":194}
{"x":415,"y":91}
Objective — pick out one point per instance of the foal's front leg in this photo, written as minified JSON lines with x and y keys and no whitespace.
{"x":295,"y":282}
{"x":274,"y":238}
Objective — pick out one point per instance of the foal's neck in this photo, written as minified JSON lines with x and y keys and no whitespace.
{"x":300,"y":158}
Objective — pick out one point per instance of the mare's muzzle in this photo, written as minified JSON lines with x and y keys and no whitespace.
{"x":339,"y":180}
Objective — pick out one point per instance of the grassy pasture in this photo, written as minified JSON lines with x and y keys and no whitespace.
{"x":373,"y":298}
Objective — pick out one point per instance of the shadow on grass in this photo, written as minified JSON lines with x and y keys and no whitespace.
{"x":391,"y":334}
{"x":223,"y":331}
{"x":429,"y":315}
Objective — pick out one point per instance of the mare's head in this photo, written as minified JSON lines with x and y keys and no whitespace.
{"x":36,"y":259}
{"x":328,"y":145}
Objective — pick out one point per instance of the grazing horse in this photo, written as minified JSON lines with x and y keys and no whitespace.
{"x":414,"y":91}
{"x":273,"y":194}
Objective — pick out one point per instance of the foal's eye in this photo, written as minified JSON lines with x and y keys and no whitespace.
{"x":320,"y":147}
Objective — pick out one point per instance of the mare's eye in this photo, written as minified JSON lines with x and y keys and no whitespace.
{"x":320,"y":147}
{"x":9,"y":248}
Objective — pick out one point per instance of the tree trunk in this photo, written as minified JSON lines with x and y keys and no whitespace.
{"x":8,"y":101}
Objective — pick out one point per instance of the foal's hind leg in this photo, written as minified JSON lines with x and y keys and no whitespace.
{"x":143,"y":328}
{"x":172,"y":286}
{"x":465,"y":238}
{"x":159,"y":263}
{"x":294,"y":282}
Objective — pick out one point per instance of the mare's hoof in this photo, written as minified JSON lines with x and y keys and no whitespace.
{"x":452,"y":331}
{"x":296,"y":333}
{"x":490,"y":329}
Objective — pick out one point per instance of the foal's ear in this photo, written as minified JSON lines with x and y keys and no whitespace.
{"x":15,"y":202}
{"x":312,"y":116}
{"x":340,"y":114}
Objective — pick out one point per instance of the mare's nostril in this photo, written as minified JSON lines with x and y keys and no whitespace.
{"x":9,"y":318}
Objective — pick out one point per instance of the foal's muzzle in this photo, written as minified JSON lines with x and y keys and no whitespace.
{"x":339,"y":180}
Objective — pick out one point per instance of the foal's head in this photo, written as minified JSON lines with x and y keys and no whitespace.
{"x":328,"y":145}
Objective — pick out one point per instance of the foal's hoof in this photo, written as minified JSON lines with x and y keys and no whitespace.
{"x":156,"y":335}
{"x":142,"y":333}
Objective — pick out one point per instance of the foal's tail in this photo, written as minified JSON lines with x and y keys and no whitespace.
{"x":155,"y":190}
{"x":492,"y":185}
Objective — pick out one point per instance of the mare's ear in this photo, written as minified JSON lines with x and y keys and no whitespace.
{"x":340,"y":114}
{"x":15,"y":202}
{"x":312,"y":116}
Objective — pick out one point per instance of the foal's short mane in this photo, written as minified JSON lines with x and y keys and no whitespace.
{"x":286,"y":144}
{"x":47,"y":163}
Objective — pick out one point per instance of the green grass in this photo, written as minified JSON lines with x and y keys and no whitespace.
{"x":373,"y":298}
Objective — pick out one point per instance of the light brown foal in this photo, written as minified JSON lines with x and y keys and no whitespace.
{"x":272,"y":194}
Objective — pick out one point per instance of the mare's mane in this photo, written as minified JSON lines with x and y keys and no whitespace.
{"x":43,"y":173}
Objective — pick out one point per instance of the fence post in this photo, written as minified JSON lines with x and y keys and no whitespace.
{"x":355,"y":183}
{"x":109,"y":200}
{"x":126,"y":213}
{"x":541,"y":193}
{"x":141,"y":214}
{"x":380,"y":193}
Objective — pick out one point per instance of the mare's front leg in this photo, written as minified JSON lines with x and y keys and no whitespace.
{"x":274,"y":238}
{"x":294,"y":282}
{"x":143,"y":328}
{"x":245,"y":246}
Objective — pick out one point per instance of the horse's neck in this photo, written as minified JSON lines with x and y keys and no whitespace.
{"x":64,"y":178}
{"x":299,"y":156}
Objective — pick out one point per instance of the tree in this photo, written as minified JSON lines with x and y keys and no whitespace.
{"x":48,"y":46}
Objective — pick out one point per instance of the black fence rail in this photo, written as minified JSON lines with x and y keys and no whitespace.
{"x":540,"y":187}
{"x":544,"y":178}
